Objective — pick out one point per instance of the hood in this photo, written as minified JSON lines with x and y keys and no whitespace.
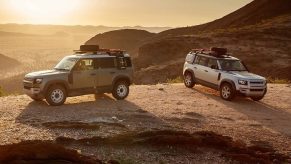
{"x":246,"y":75}
{"x":41,"y":74}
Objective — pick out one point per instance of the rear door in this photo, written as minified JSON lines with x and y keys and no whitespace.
{"x":212,"y":72}
{"x":106,"y":71}
{"x":200,"y":67}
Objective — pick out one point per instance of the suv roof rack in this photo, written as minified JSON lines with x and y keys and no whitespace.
{"x":214,"y":51}
{"x":95,"y":50}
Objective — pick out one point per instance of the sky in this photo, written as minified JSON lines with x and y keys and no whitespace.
{"x":171,"y":13}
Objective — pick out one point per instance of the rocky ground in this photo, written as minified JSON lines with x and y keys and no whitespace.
{"x":164,"y":123}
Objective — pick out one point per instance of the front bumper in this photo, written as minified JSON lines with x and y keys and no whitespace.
{"x":34,"y":93}
{"x":253,"y":92}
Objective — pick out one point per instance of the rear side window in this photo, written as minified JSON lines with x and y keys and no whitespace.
{"x":190,"y":58}
{"x":123,"y":62}
{"x":203,"y":61}
{"x":128,"y":62}
{"x":106,"y":63}
{"x":196,"y":61}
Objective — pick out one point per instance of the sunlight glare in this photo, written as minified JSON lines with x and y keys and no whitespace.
{"x":44,"y":11}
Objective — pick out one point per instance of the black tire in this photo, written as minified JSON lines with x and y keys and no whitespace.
{"x":257,"y":98}
{"x":36,"y":99}
{"x":189,"y":80}
{"x":227,"y":92}
{"x":120,"y":90}
{"x":56,"y":95}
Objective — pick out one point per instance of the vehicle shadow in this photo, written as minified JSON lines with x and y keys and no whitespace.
{"x":265,"y":114}
{"x":97,"y":116}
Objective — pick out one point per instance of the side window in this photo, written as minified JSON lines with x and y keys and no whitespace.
{"x":212,"y":64}
{"x":190,"y":58}
{"x":121,"y":62}
{"x":203,"y":61}
{"x":85,"y":64}
{"x":106,"y":63}
{"x":128,"y":62}
{"x":197,"y":58}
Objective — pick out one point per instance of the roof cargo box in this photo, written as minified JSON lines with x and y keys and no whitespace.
{"x":91,"y":48}
{"x":218,"y":51}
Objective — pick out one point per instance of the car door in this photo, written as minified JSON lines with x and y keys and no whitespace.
{"x":200,"y":67}
{"x":84,"y":75}
{"x":106,"y":71}
{"x":212,"y":72}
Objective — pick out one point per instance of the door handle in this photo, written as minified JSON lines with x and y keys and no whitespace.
{"x":205,"y":70}
{"x":112,"y":72}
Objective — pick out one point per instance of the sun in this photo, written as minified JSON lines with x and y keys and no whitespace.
{"x":44,"y":11}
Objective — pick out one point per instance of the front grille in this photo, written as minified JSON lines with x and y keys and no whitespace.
{"x":257,"y":90}
{"x":256,"y":82}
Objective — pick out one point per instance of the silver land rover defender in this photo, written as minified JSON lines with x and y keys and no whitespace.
{"x":90,"y":70}
{"x":216,"y":69}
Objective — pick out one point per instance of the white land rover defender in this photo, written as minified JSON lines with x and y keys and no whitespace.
{"x":216,"y":69}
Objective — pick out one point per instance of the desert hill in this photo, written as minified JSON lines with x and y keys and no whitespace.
{"x":253,"y":13}
{"x":13,"y":34}
{"x":73,"y":30}
{"x":128,"y":39}
{"x":7,"y":62}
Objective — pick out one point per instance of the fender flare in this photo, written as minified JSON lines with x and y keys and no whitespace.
{"x":54,"y":82}
{"x":191,"y":71}
{"x":228,"y":81}
{"x":121,"y":77}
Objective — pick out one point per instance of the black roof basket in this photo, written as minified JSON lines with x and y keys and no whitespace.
{"x":95,"y":49}
{"x":214,"y":51}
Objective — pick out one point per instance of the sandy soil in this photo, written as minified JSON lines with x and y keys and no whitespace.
{"x":148,"y":108}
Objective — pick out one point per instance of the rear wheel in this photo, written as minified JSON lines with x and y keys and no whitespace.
{"x":227,"y":92}
{"x":120,"y":90}
{"x":56,"y":95}
{"x":189,"y":80}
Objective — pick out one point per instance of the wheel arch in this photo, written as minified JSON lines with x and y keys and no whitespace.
{"x":56,"y":82}
{"x":121,"y":78}
{"x":189,"y":71}
{"x":229,"y":82}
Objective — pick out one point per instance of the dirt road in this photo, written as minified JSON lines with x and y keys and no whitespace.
{"x":149,"y":108}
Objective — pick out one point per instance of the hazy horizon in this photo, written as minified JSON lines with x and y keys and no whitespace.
{"x":115,"y":13}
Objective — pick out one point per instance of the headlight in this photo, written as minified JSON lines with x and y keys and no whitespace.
{"x":243,"y":82}
{"x":38,"y":81}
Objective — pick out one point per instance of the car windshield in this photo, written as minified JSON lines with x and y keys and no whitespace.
{"x":232,"y":65}
{"x":66,"y":63}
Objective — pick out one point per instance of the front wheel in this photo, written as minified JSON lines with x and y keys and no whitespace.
{"x":257,"y":98}
{"x":189,"y":80}
{"x":227,"y":92}
{"x":120,"y":90}
{"x":56,"y":95}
